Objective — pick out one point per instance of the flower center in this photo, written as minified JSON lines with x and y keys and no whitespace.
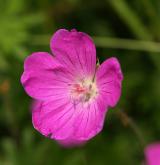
{"x":84,"y":90}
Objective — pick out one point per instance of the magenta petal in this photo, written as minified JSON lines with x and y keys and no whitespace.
{"x":152,"y":154}
{"x":36,"y":107}
{"x":89,"y":121}
{"x":75,"y":50}
{"x":71,"y":142}
{"x":109,"y":79}
{"x":44,"y":78}
{"x":54,"y":119}
{"x":68,"y":123}
{"x":40,"y":61}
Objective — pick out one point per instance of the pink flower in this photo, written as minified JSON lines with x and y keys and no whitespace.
{"x":72,"y":93}
{"x":152,"y":153}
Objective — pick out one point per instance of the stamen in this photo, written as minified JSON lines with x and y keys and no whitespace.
{"x":84,"y":90}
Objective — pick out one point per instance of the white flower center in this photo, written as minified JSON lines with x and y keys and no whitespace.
{"x":84,"y":90}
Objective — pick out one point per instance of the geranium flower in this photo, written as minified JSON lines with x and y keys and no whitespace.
{"x":72,"y":93}
{"x":152,"y":154}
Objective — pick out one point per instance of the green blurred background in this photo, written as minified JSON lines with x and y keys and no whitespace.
{"x":129,"y":30}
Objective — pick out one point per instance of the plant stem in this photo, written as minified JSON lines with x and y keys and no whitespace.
{"x":129,"y":44}
{"x":109,"y":42}
{"x":128,"y":121}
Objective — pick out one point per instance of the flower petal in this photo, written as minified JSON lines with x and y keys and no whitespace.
{"x":71,"y":142}
{"x":109,"y":79}
{"x":44,"y":78}
{"x":152,"y":154}
{"x":54,"y":119}
{"x":68,"y":123}
{"x":89,"y":121}
{"x":76,"y":50}
{"x":40,"y":61}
